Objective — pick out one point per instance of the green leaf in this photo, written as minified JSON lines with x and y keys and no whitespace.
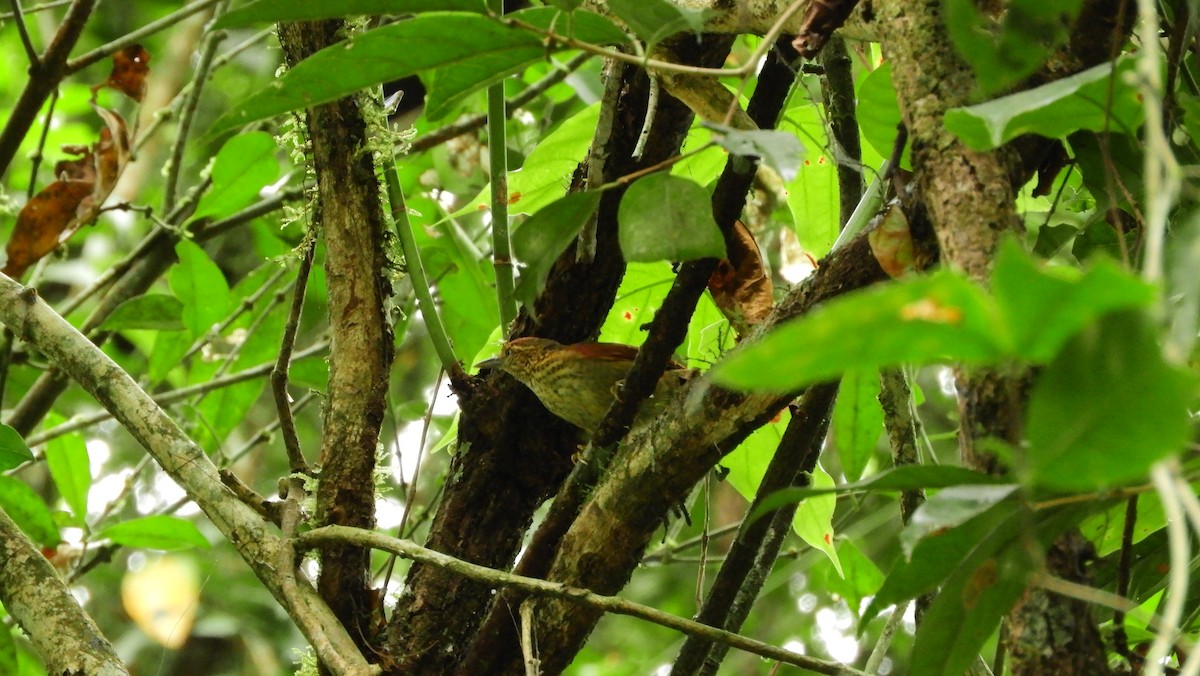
{"x":942,"y":317}
{"x":951,"y":507}
{"x":13,"y":450}
{"x":664,"y":217}
{"x":1053,"y":110}
{"x":653,"y":20}
{"x":1032,"y":29}
{"x":404,"y":48}
{"x":879,"y":113}
{"x":780,"y":150}
{"x":860,"y":576}
{"x":540,"y":240}
{"x":857,"y":421}
{"x":245,"y":165}
{"x":641,"y":293}
{"x":1106,"y":408}
{"x":467,"y":51}
{"x":67,"y":458}
{"x":896,"y":479}
{"x":450,"y":84}
{"x":151,"y":311}
{"x":967,"y":611}
{"x":980,"y":591}
{"x":199,"y":285}
{"x":279,"y":11}
{"x":812,"y":196}
{"x":813,"y":521}
{"x":937,"y":556}
{"x":26,"y":508}
{"x":748,"y":463}
{"x":546,"y":173}
{"x":1045,"y":305}
{"x":168,"y":533}
{"x":8,"y":652}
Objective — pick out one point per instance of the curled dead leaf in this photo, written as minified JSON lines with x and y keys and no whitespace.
{"x":131,"y":65}
{"x":891,"y":241}
{"x":75,"y":199}
{"x":740,"y":286}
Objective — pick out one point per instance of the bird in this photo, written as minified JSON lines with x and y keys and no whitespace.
{"x":579,"y":382}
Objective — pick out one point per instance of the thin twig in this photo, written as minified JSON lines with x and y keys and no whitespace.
{"x":443,"y":134}
{"x":208,"y":51}
{"x":166,"y":398}
{"x":279,"y":374}
{"x":885,"y":638}
{"x":612,"y":604}
{"x":38,"y":155}
{"x":36,"y":8}
{"x":30,"y":51}
{"x":134,"y":37}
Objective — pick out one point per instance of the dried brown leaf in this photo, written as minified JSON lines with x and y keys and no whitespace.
{"x":891,"y":241}
{"x":740,"y":285}
{"x":130,"y":68}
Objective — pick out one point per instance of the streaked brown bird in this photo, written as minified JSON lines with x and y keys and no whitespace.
{"x":579,"y":382}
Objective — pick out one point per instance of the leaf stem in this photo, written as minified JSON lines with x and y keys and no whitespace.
{"x":498,"y":169}
{"x":412,"y":259}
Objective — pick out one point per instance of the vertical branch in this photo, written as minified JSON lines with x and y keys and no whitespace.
{"x":498,"y":169}
{"x":349,"y":210}
{"x":279,"y":374}
{"x":420,"y":281}
{"x":754,"y":550}
{"x":208,"y":52}
{"x":837,"y":88}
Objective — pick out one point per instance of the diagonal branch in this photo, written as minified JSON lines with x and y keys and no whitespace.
{"x":34,"y":321}
{"x":32,"y":592}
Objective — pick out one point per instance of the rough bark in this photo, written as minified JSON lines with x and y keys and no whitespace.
{"x":512,"y":452}
{"x":32,"y":592}
{"x":349,"y":211}
{"x":970,"y":198}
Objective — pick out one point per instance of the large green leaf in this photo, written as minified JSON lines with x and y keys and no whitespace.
{"x":935,"y":557}
{"x":539,"y":241}
{"x":152,"y":311}
{"x":25,"y":507}
{"x":168,"y":533}
{"x":8,"y":651}
{"x":470,"y":52}
{"x":278,"y":11}
{"x":812,"y":195}
{"x":857,"y":421}
{"x":245,"y":165}
{"x":640,"y":295}
{"x":1030,"y":32}
{"x":13,"y":450}
{"x":199,"y":284}
{"x":1045,"y":305}
{"x":1106,"y":408}
{"x":1054,"y":110}
{"x":879,"y":113}
{"x":942,"y":317}
{"x":546,"y":172}
{"x":665,"y":217}
{"x":653,"y":20}
{"x":949,"y":508}
{"x":450,"y":84}
{"x":67,"y":458}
